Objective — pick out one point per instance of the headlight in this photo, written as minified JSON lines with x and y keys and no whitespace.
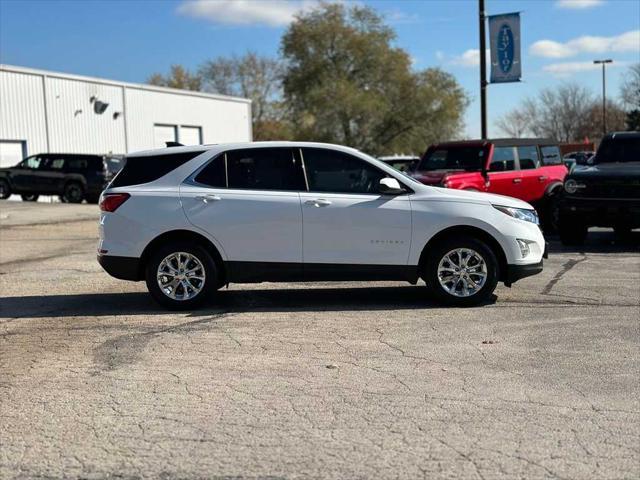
{"x":571,"y":186}
{"x":520,"y":213}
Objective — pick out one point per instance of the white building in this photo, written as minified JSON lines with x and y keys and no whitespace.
{"x":49,"y":112}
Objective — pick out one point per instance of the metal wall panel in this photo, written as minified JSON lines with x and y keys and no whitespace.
{"x":220,"y":120}
{"x":74,"y":126}
{"x":22,"y":115}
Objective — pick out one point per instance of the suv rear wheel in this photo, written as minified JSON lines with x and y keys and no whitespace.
{"x":5,"y":189}
{"x":73,"y":193}
{"x":462,"y":272}
{"x":181,"y":275}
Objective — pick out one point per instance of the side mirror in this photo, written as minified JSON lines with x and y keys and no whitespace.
{"x":390,"y":186}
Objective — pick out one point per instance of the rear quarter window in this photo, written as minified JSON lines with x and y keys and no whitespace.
{"x":139,"y":170}
{"x":551,"y":155}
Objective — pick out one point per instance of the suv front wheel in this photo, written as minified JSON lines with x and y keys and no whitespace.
{"x":181,"y":275}
{"x":462,"y":272}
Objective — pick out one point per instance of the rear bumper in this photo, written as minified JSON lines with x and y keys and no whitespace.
{"x":124,"y":268}
{"x":518,"y":272}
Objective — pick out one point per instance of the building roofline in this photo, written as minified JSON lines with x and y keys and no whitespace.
{"x":135,"y":86}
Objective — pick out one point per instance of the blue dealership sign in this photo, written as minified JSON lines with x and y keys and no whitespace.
{"x":504,"y":40}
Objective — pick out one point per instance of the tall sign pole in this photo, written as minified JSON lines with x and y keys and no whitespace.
{"x":483,"y":71}
{"x":604,"y":93}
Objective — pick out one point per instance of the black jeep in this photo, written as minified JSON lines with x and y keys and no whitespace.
{"x":604,"y":193}
{"x":74,"y":177}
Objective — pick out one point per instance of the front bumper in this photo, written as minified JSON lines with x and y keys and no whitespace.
{"x":601,"y":212}
{"x":123,"y":268}
{"x":518,"y":272}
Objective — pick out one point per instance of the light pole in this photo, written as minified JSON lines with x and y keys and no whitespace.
{"x":604,"y":94}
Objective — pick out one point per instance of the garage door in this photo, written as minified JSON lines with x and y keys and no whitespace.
{"x":163,"y":134}
{"x":11,"y":153}
{"x":190,"y":135}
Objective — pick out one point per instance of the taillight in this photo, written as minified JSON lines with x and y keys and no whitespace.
{"x":111,"y":201}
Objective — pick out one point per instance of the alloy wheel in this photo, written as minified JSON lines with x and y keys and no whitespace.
{"x":181,"y":276}
{"x":462,"y":272}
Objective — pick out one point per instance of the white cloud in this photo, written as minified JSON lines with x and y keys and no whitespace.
{"x":626,"y":42}
{"x":470,"y":58}
{"x":578,"y":4}
{"x":274,"y":13}
{"x":565,"y":69}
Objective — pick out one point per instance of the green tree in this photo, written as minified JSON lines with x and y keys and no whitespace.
{"x":346,"y":83}
{"x":257,"y":78}
{"x":178,"y":77}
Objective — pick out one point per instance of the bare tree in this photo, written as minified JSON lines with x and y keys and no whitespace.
{"x":514,"y":123}
{"x":561,"y":113}
{"x":630,"y":88}
{"x":254,"y":77}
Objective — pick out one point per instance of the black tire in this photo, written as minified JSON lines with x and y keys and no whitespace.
{"x":551,"y":212}
{"x":571,"y":232}
{"x":438,"y":253}
{"x":73,"y":193}
{"x":92,"y":198}
{"x":211,"y":278}
{"x":5,"y":189}
{"x":30,"y":198}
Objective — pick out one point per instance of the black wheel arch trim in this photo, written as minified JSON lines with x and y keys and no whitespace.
{"x":467,"y":231}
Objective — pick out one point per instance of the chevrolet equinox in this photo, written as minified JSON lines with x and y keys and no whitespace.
{"x":189,"y":220}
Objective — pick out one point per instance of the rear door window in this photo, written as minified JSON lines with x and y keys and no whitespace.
{"x":145,"y":169}
{"x":528,"y":157}
{"x":503,"y":160}
{"x":551,"y":155}
{"x":264,"y":169}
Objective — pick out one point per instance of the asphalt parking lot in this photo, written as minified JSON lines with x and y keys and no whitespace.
{"x":339,"y":381}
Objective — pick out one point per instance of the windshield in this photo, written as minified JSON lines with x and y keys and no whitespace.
{"x":453,"y":158}
{"x":618,"y":150}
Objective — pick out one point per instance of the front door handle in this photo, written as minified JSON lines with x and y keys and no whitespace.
{"x":208,"y":198}
{"x":318,"y":202}
{"x":517,"y":180}
{"x":542,"y":178}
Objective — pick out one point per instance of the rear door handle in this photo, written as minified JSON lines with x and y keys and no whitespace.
{"x":208,"y":198}
{"x":318,"y":202}
{"x":517,"y":180}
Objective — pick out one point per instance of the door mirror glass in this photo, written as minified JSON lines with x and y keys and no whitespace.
{"x":390,"y":186}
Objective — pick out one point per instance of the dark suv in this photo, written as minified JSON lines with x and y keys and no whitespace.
{"x":72,"y":176}
{"x":605,"y":193}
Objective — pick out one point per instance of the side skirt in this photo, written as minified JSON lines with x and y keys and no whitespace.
{"x":254,"y":272}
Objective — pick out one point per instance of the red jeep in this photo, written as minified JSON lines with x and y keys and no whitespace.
{"x":530,"y":169}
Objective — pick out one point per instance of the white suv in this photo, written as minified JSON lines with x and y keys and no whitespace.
{"x":189,"y":220}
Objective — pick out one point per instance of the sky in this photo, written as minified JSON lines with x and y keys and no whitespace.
{"x":130,"y":40}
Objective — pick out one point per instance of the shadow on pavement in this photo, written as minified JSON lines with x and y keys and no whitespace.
{"x":256,"y":300}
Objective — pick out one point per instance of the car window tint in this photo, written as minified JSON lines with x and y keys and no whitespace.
{"x":619,"y":149}
{"x":77,"y":164}
{"x":145,"y":169}
{"x":467,"y":158}
{"x":264,"y":169}
{"x":528,"y":156}
{"x":551,"y":155}
{"x":56,"y":164}
{"x":503,"y":159}
{"x":213,"y":175}
{"x":337,"y":172}
{"x":32,"y":162}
